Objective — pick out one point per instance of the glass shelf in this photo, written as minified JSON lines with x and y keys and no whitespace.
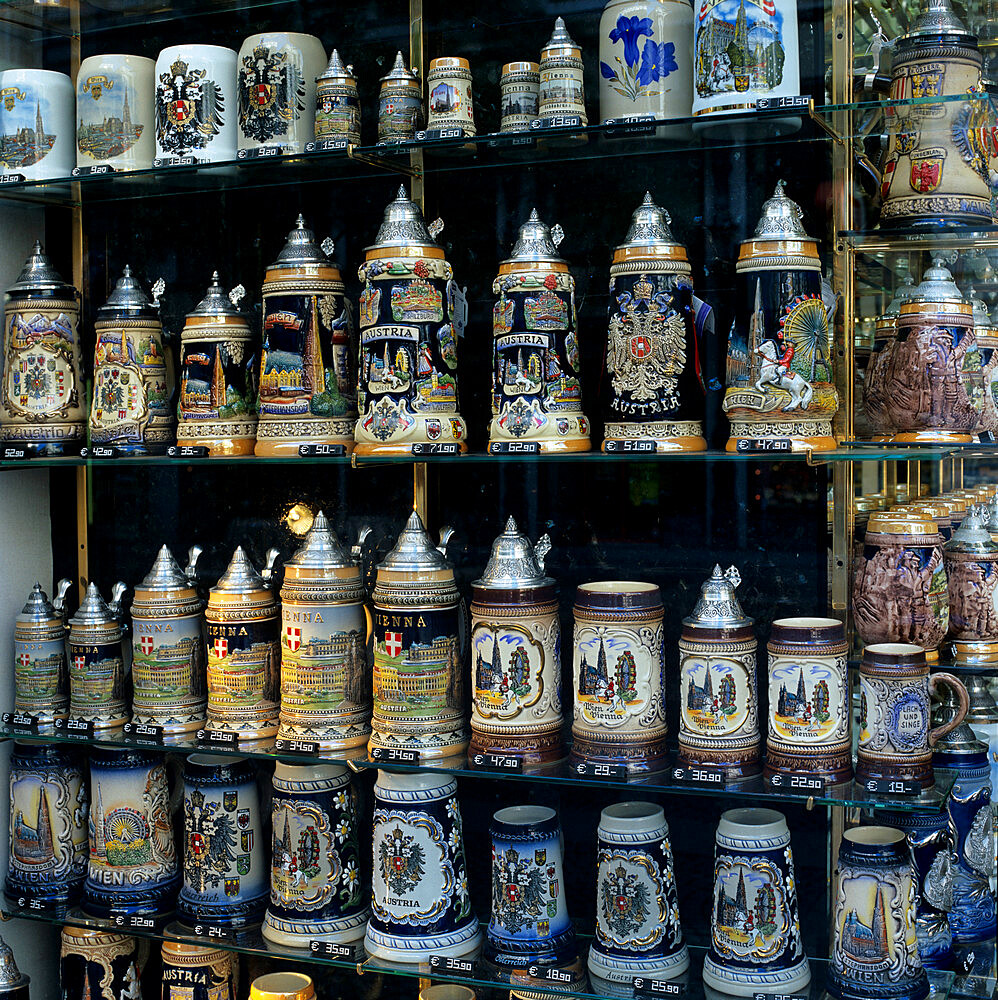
{"x":942,"y":237}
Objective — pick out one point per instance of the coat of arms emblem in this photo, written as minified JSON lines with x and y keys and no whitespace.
{"x":189,"y":109}
{"x":400,"y":860}
{"x":271,"y":94}
{"x":520,"y":891}
{"x":624,"y":902}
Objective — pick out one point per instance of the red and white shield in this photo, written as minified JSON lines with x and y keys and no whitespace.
{"x":146,"y":643}
{"x":24,"y":659}
{"x":261,"y":94}
{"x":640,"y":347}
{"x":293,"y":636}
{"x":179,"y":111}
{"x":79,"y":662}
{"x":393,"y":643}
{"x":221,"y":648}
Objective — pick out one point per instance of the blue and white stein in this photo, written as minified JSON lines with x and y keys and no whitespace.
{"x":133,"y":862}
{"x":47,"y":858}
{"x":316,"y":890}
{"x":225,"y":876}
{"x":755,"y":931}
{"x":420,"y":905}
{"x":637,"y":906}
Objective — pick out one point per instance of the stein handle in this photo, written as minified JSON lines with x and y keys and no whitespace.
{"x":369,"y":619}
{"x":963,"y":704}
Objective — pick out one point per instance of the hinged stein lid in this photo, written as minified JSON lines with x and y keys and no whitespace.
{"x":937,"y":287}
{"x":38,"y":609}
{"x":167,"y":584}
{"x":649,"y":235}
{"x":972,"y":537}
{"x":336,"y":70}
{"x":322,"y":558}
{"x":979,"y":308}
{"x":219,"y":305}
{"x":301,"y":249}
{"x":935,"y":19}
{"x":779,"y":239}
{"x":93,"y":613}
{"x":560,"y":41}
{"x":403,"y":226}
{"x":536,"y":242}
{"x":958,"y":742}
{"x":241,"y":581}
{"x":39,"y":277}
{"x":400,"y":73}
{"x":515,"y":563}
{"x":903,"y":293}
{"x":718,"y":608}
{"x":781,"y":218}
{"x":414,"y":551}
{"x":11,"y":977}
{"x":128,"y":300}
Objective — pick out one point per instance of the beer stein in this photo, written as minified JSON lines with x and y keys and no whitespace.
{"x":193,"y":972}
{"x":306,"y":369}
{"x":617,"y":665}
{"x":42,"y":405}
{"x":244,"y":651}
{"x":449,"y":105}
{"x":411,"y":314}
{"x":895,"y":738}
{"x":515,"y":652}
{"x":655,"y":383}
{"x":96,"y":661}
{"x":718,"y":714}
{"x":218,"y":369}
{"x":282,"y":986}
{"x":779,"y":364}
{"x":400,"y":104}
{"x":13,"y":983}
{"x":983,"y":717}
{"x":40,"y":675}
{"x":98,"y":965}
{"x":562,"y":91}
{"x":520,"y":84}
{"x":47,"y":856}
{"x":325,"y":679}
{"x":168,"y":643}
{"x":536,"y":392}
{"x":337,"y":104}
{"x":986,"y":335}
{"x":133,"y":382}
{"x":418,"y":621}
{"x":875,"y":389}
{"x":971,"y":559}
{"x":37,"y":124}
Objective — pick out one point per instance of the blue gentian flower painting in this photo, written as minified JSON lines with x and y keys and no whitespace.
{"x":635,"y":75}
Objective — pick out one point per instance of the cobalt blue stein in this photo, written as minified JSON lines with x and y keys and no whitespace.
{"x":133,"y":862}
{"x":225,"y":877}
{"x":420,"y":904}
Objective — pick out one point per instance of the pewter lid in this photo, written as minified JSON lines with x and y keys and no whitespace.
{"x":905,"y":292}
{"x":781,"y":218}
{"x":241,"y":577}
{"x":515,"y":563}
{"x":336,"y":70}
{"x":982,"y":705}
{"x":537,"y":242}
{"x":400,"y":71}
{"x":11,"y":977}
{"x":937,"y":284}
{"x":217,"y":303}
{"x":649,"y":226}
{"x":980,"y":308}
{"x":321,"y":548}
{"x":936,"y":18}
{"x":718,"y":607}
{"x":129,"y":298}
{"x":301,"y":248}
{"x":38,"y":275}
{"x":972,"y":536}
{"x":402,"y":225}
{"x":165,"y":574}
{"x":560,"y":38}
{"x":38,"y":608}
{"x":93,"y":611}
{"x":414,"y":551}
{"x":961,"y":741}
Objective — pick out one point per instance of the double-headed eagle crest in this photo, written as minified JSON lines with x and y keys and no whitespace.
{"x":189,"y":109}
{"x":271,"y":94}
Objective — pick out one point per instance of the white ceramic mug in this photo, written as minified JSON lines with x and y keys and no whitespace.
{"x":36,"y":124}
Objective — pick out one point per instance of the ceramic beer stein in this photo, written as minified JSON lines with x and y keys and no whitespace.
{"x":899,"y":590}
{"x":755,"y":931}
{"x":244,"y":653}
{"x":13,"y":983}
{"x":537,"y":392}
{"x":193,"y":972}
{"x":895,"y":738}
{"x":115,"y":112}
{"x":225,"y":876}
{"x":132,"y":407}
{"x":875,"y":387}
{"x":325,"y":678}
{"x":133,"y":861}
{"x":810,"y":709}
{"x":874,"y":945}
{"x":282,"y":986}
{"x":718,"y":714}
{"x":420,"y":904}
{"x":400,"y":104}
{"x":218,"y":374}
{"x":411,"y":315}
{"x":47,"y":855}
{"x":515,"y":652}
{"x":938,"y":157}
{"x":42,"y":405}
{"x":98,"y":965}
{"x":933,"y":378}
{"x":617,"y":665}
{"x":637,"y":907}
{"x":37,"y":129}
{"x":315,"y":882}
{"x":520,"y":86}
{"x":779,"y":363}
{"x":306,"y":369}
{"x":276,"y":84}
{"x":986,"y":335}
{"x":418,"y":623}
{"x":41,"y":680}
{"x":168,"y":647}
{"x":449,"y":103}
{"x":196,"y":104}
{"x":562,"y":90}
{"x":655,"y":382}
{"x":971,"y":559}
{"x":337,"y":103}
{"x":96,"y":661}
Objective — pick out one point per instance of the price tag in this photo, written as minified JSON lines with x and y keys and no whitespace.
{"x":260,"y":153}
{"x":322,"y":450}
{"x":594,"y":769}
{"x":208,"y":931}
{"x":95,"y":171}
{"x":557,"y":121}
{"x":550,"y":973}
{"x":216,"y":738}
{"x":330,"y":949}
{"x":795,"y":102}
{"x":892,"y":786}
{"x":398,"y":754}
{"x":188,"y":451}
{"x":20,"y":722}
{"x":12,"y":178}
{"x":100,"y":451}
{"x":630,"y":125}
{"x":643,"y":446}
{"x":149,"y":736}
{"x":695,"y":774}
{"x":36,"y":904}
{"x":437,"y":448}
{"x":445,"y":963}
{"x":511,"y":139}
{"x":431,"y":134}
{"x":174,"y":161}
{"x":514,"y":447}
{"x":136,"y":921}
{"x":754,"y":445}
{"x":779,"y":996}
{"x":657,"y":987}
{"x":504,"y":762}
{"x":795,"y":781}
{"x":80,"y":729}
{"x":327,"y":146}
{"x":304,"y":748}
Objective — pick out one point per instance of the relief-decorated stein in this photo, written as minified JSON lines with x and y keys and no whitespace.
{"x":520,"y":84}
{"x":899,"y":591}
{"x":933,"y":378}
{"x":561,"y":72}
{"x":316,"y":893}
{"x":96,"y":661}
{"x":718,"y":713}
{"x":971,"y":560}
{"x":14,"y":985}
{"x":875,"y":388}
{"x":938,"y":157}
{"x":400,"y":104}
{"x":874,"y":944}
{"x":41,"y":680}
{"x":42,"y":404}
{"x":168,"y":647}
{"x":133,"y":861}
{"x":98,"y":965}
{"x":895,"y":738}
{"x":325,"y":679}
{"x":244,"y":650}
{"x":418,"y":626}
{"x":411,"y":315}
{"x":47,"y":856}
{"x":655,"y":379}
{"x":133,"y":378}
{"x":218,"y":372}
{"x":810,"y":711}
{"x":779,"y":363}
{"x":516,"y":652}
{"x":536,"y":390}
{"x":306,"y":369}
{"x":986,"y":335}
{"x":449,"y":102}
{"x":194,"y":972}
{"x":618,"y":663}
{"x":337,"y":103}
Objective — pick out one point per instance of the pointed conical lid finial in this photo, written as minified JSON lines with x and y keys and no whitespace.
{"x":216,"y":302}
{"x":560,"y":38}
{"x":128,"y":298}
{"x":336,"y":70}
{"x":399,"y":71}
{"x":414,"y":551}
{"x":535,"y":242}
{"x":515,"y":564}
{"x":718,"y":607}
{"x":301,"y":248}
{"x":937,"y":18}
{"x":403,"y":224}
{"x":241,"y":575}
{"x":937,"y":284}
{"x":321,"y":549}
{"x":38,"y":608}
{"x":650,"y":227}
{"x":781,"y":217}
{"x":93,"y":611}
{"x":38,"y":275}
{"x":165,"y":574}
{"x":11,"y":977}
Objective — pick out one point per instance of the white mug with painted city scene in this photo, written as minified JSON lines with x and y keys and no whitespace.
{"x":36,"y":124}
{"x":115,"y":112}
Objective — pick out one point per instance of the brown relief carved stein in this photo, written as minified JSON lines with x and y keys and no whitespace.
{"x":986,"y":334}
{"x":41,"y":681}
{"x":971,"y":558}
{"x":875,"y":389}
{"x":96,"y":661}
